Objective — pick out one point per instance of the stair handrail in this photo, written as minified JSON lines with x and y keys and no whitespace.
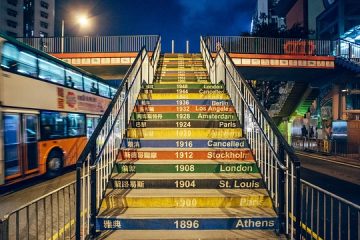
{"x":96,"y":161}
{"x":288,"y":177}
{"x":349,"y":51}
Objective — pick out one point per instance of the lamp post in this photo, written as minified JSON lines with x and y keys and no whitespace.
{"x":83,"y":20}
{"x":62,"y":36}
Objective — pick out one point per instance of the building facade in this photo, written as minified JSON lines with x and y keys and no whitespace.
{"x":264,"y":14}
{"x":27,"y":18}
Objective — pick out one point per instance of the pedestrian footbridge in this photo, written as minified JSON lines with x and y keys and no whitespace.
{"x":186,"y":151}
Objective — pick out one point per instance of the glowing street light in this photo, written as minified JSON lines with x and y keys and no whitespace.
{"x":83,"y":20}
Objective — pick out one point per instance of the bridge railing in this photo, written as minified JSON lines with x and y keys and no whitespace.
{"x":262,"y":45}
{"x":96,"y":162}
{"x":327,"y":216}
{"x":348,"y":50}
{"x":277,"y":161}
{"x":48,"y":217}
{"x":98,"y":44}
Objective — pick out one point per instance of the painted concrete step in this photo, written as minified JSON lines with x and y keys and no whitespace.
{"x":178,"y":167}
{"x":191,"y":212}
{"x":185,"y":181}
{"x":179,"y":109}
{"x":243,"y":154}
{"x":185,"y":198}
{"x":184,"y":79}
{"x":206,"y":102}
{"x":191,"y":235}
{"x":181,"y":143}
{"x":184,"y":124}
{"x":183,"y":68}
{"x":170,"y":73}
{"x":185,"y":116}
{"x":186,"y":86}
{"x":196,"y":220}
{"x":216,"y":94}
{"x":181,"y":90}
{"x":176,"y":133}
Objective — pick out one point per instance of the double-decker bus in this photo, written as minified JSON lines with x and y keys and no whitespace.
{"x":48,"y":108}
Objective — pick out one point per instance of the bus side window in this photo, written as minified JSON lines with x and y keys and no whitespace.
{"x":51,"y":71}
{"x":76,"y":124}
{"x":53,"y":125}
{"x":76,"y":79}
{"x":9,"y":57}
{"x":27,"y":63}
{"x":103,"y":90}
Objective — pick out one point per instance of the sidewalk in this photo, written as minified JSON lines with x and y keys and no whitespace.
{"x":332,"y":157}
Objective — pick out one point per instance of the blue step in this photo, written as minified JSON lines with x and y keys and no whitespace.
{"x":249,"y":223}
{"x":213,"y":143}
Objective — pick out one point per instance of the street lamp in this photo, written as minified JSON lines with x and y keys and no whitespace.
{"x":83,"y":20}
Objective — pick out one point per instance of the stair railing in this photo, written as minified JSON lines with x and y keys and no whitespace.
{"x":278,"y":164}
{"x":95,"y":164}
{"x":348,"y":50}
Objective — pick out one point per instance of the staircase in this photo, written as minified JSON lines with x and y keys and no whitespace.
{"x":185,"y":171}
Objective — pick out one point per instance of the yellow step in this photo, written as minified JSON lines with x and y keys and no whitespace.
{"x":160,"y":96}
{"x":188,"y":198}
{"x":177,"y":133}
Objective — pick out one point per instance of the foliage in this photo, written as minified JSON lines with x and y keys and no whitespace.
{"x":267,"y":91}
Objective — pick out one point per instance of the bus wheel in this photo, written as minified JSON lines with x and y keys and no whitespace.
{"x":54,"y":163}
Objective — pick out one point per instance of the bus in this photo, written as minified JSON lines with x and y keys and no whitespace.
{"x":48,"y":109}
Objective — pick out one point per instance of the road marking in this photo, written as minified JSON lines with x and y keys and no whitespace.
{"x":66,"y":227}
{"x":325,"y":159}
{"x":306,"y":228}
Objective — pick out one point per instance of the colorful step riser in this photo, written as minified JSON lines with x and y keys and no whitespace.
{"x":245,"y":167}
{"x":185,"y":102}
{"x":184,"y":124}
{"x":179,"y":109}
{"x":181,"y":143}
{"x":242,"y":183}
{"x":182,"y":91}
{"x":124,"y":201}
{"x":244,"y":223}
{"x":183,"y":133}
{"x":184,"y":116}
{"x":179,"y":154}
{"x":183,"y":86}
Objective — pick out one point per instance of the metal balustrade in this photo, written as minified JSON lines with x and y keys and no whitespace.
{"x":99,"y":44}
{"x":48,"y":217}
{"x":276,"y":160}
{"x":262,"y":45}
{"x":327,"y":216}
{"x":348,"y":50}
{"x":323,"y":215}
{"x":95,"y":163}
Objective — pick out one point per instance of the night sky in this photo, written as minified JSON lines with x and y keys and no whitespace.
{"x":180,"y":20}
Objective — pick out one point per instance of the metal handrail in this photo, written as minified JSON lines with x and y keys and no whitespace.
{"x":288,"y":179}
{"x":287,"y":147}
{"x":97,"y":159}
{"x":282,"y":166}
{"x":351,"y":204}
{"x":36,"y":200}
{"x":266,"y":45}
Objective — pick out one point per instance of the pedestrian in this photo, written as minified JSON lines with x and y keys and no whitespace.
{"x":311,"y":135}
{"x":304,"y":131}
